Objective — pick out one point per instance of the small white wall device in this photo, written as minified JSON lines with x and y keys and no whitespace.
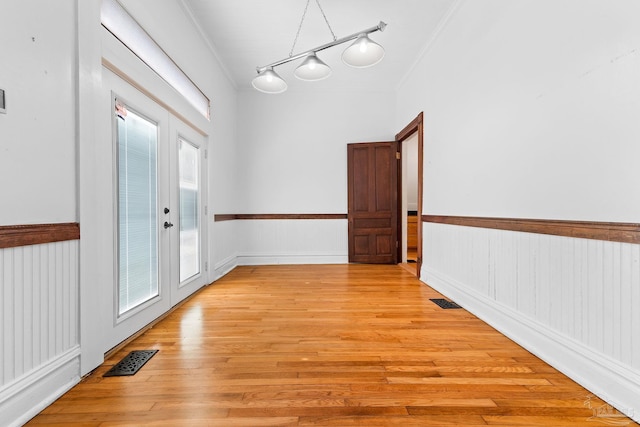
{"x":3,"y":103}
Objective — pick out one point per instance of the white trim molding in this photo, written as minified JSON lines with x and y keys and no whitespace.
{"x":291,"y":258}
{"x":225,"y":266}
{"x":24,"y":398}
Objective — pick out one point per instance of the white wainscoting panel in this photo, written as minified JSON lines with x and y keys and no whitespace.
{"x":39,"y":346}
{"x":299,"y":241}
{"x":225,"y":247}
{"x":573,"y":302}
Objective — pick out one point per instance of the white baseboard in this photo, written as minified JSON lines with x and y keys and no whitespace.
{"x":607,"y":378}
{"x":225,"y":266}
{"x":24,"y":398}
{"x":273,"y":259}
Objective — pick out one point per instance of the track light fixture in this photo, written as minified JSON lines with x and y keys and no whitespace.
{"x":362,"y":53}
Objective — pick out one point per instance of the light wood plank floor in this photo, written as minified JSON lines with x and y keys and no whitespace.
{"x":331,"y":346}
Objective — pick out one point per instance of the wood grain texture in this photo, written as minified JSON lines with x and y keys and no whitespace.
{"x":411,"y":128}
{"x":412,"y":233}
{"x":232,"y":217}
{"x":609,"y":231}
{"x":372,"y":181}
{"x":23,"y":235}
{"x":325,"y":345}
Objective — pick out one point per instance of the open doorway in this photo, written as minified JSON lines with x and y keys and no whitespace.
{"x":385,"y":220}
{"x":410,"y":181}
{"x":409,"y":203}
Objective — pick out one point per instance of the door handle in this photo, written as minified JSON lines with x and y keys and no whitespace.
{"x":167,"y":224}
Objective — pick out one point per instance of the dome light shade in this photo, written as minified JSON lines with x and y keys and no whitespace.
{"x":268,"y":81}
{"x":363,"y":52}
{"x":312,"y":68}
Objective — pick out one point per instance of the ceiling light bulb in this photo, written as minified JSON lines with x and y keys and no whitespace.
{"x":268,"y":81}
{"x":312,"y":68}
{"x":364,"y":52}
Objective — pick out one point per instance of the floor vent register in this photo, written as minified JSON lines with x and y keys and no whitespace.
{"x":131,"y":363}
{"x":443,"y":303}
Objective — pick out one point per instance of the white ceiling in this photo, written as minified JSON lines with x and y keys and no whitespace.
{"x":249,"y":33}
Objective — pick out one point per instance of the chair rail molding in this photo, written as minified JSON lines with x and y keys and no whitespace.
{"x":12,"y":236}
{"x":609,"y":231}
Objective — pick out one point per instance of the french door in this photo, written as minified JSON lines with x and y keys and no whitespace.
{"x":159,"y":188}
{"x":188,"y":187}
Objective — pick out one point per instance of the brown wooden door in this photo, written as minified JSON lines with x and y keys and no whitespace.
{"x":372,"y":188}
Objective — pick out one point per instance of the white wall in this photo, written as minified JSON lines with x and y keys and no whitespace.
{"x":293,"y":160}
{"x":293,"y":147}
{"x":37,"y":135}
{"x":39,"y":344}
{"x":531,"y":111}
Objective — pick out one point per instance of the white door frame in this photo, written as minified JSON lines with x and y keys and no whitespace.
{"x":182,"y":289}
{"x":95,"y":208}
{"x":113,"y":328}
{"x":123,"y":326}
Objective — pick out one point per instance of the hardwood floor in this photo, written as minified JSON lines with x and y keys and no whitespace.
{"x":335,"y":345}
{"x":410,"y":267}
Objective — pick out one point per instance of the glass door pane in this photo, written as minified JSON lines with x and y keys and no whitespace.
{"x":189,"y":181}
{"x":137,"y":142}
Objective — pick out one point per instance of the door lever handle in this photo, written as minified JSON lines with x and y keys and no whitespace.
{"x":167,"y":224}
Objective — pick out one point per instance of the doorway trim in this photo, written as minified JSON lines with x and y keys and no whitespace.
{"x":416,"y":125}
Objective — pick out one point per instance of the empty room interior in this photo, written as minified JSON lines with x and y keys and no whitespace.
{"x":320,"y":212}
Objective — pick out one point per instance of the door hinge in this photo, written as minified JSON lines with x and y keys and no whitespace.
{"x":206,"y":153}
{"x":397,"y":244}
{"x":397,"y":155}
{"x":206,"y":210}
{"x":206,"y":266}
